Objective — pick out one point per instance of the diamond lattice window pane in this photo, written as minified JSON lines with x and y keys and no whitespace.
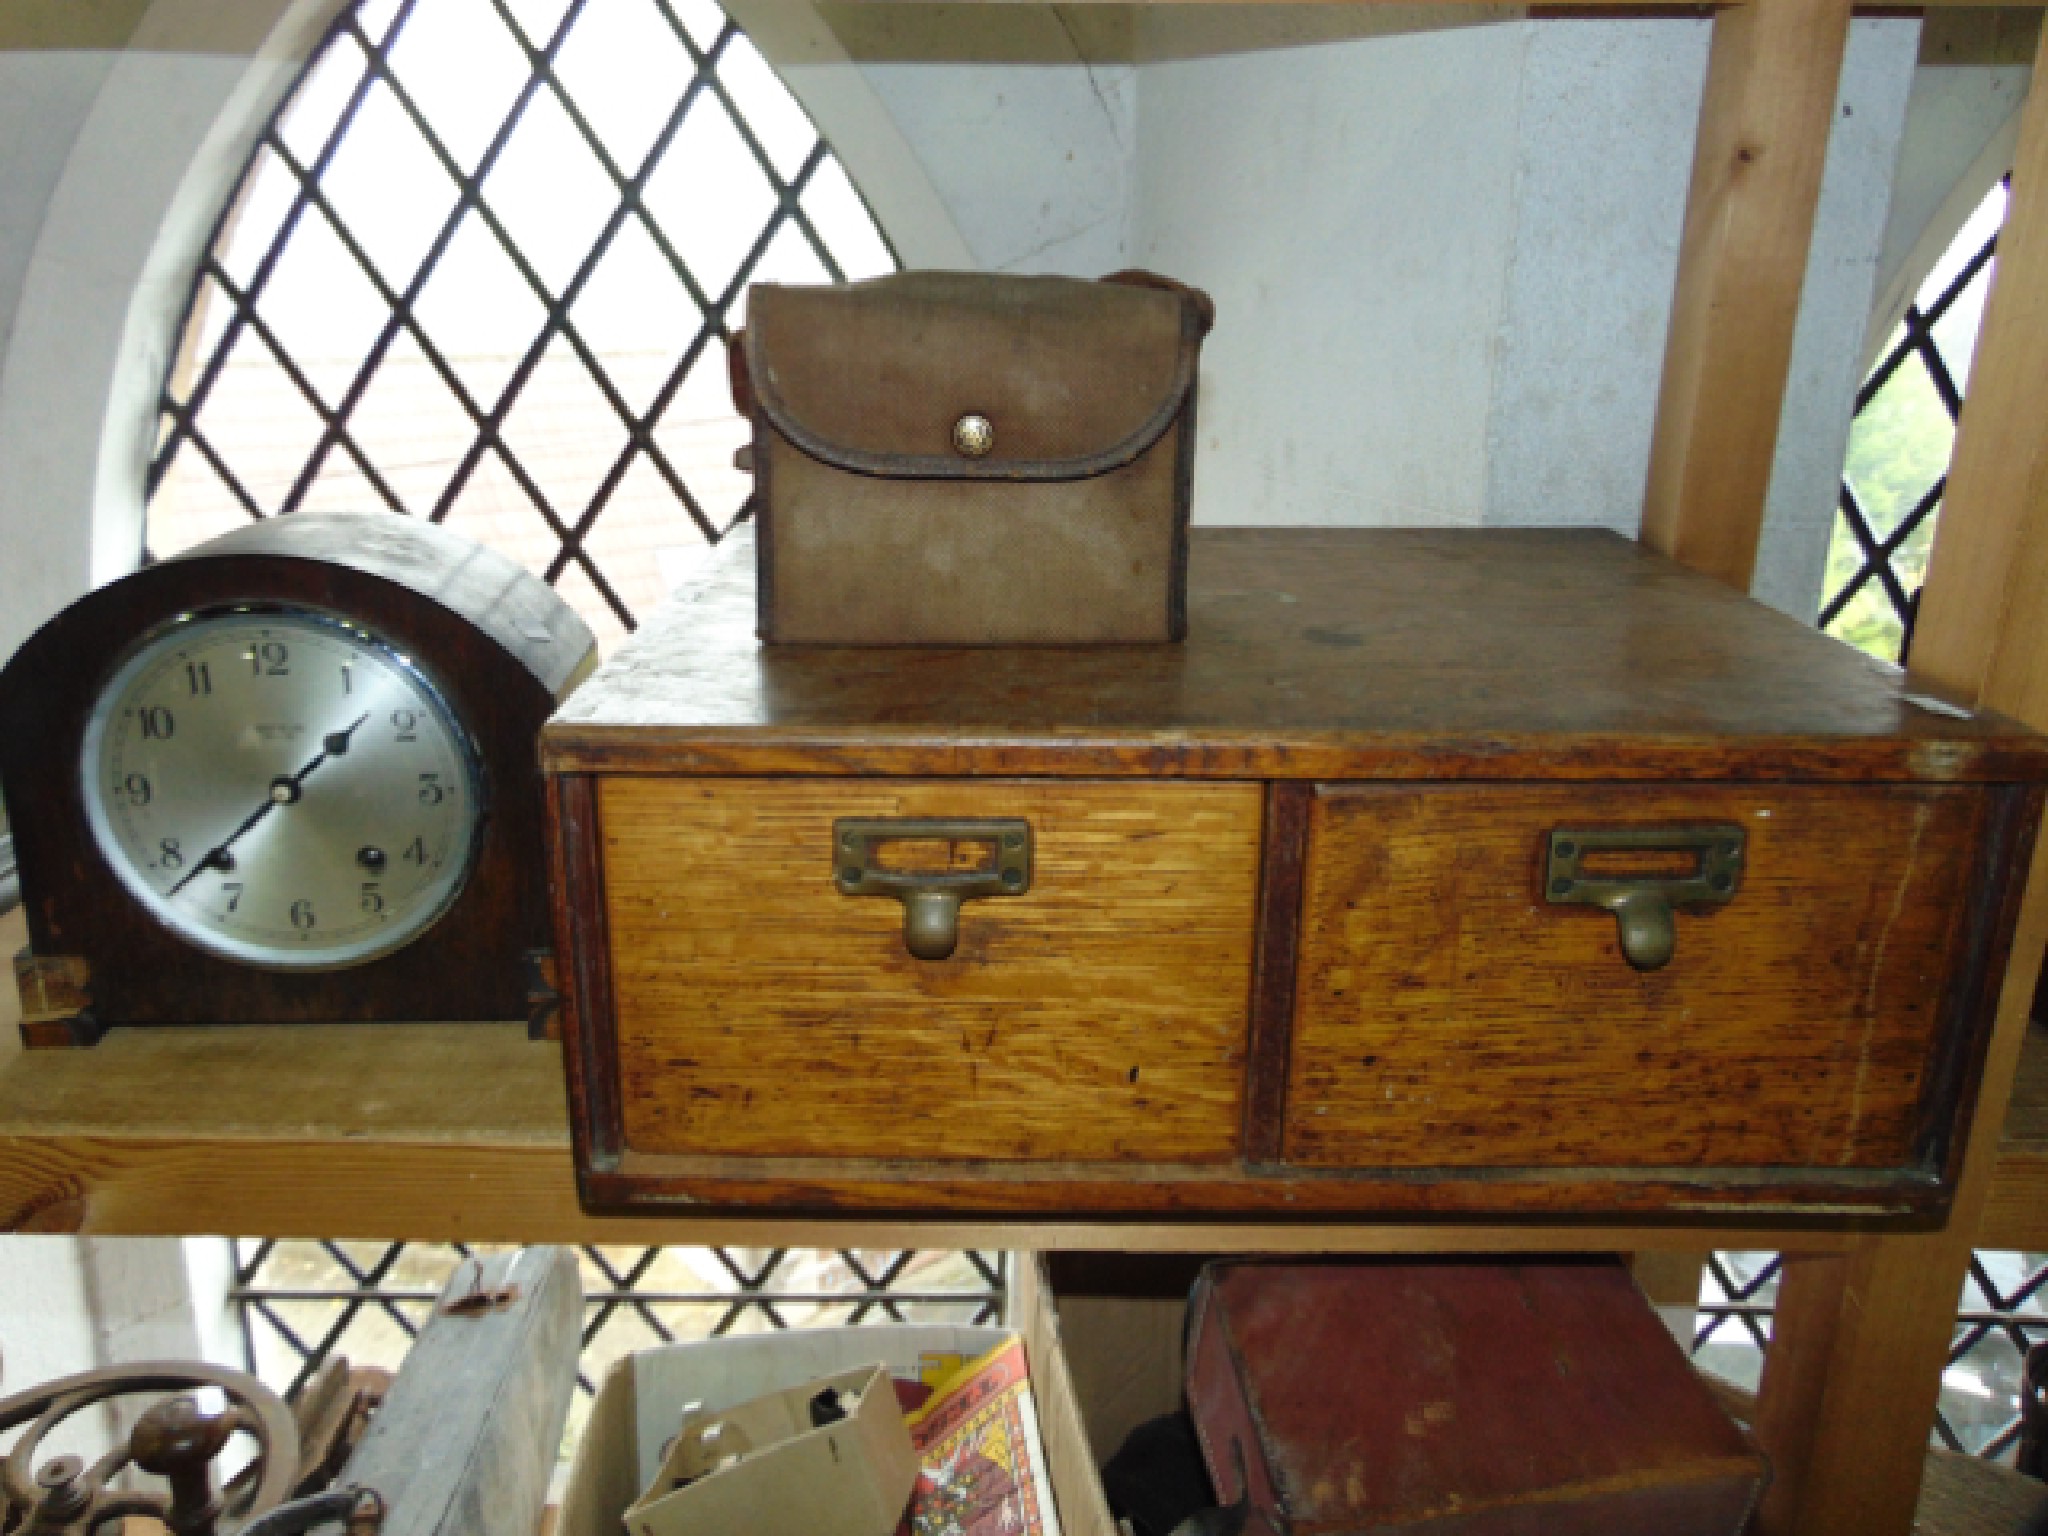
{"x":702,"y":19}
{"x":193,"y":505}
{"x":311,"y":115}
{"x":259,"y":423}
{"x":268,"y":194}
{"x":1955,"y":333}
{"x":550,"y":193}
{"x":466,"y":105}
{"x":699,"y":434}
{"x":636,"y":314}
{"x":844,"y":223}
{"x":764,"y":103}
{"x":354,"y":205}
{"x":323,"y":311}
{"x":206,"y":327}
{"x":790,"y":258}
{"x":563,"y":431}
{"x":493,"y":508}
{"x":410,"y":425}
{"x":1899,"y":446}
{"x":640,"y":535}
{"x":389,"y":189}
{"x":709,"y":166}
{"x":480,"y":312}
{"x":622,"y":65}
{"x":538,"y":20}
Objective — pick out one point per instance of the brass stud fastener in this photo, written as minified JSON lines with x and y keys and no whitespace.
{"x":973,"y":436}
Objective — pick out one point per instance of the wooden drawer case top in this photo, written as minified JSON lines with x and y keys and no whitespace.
{"x":1311,"y":654}
{"x":1289,"y":949}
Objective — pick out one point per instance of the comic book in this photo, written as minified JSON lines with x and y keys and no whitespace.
{"x":983,"y":1468}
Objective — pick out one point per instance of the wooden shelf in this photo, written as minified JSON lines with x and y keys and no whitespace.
{"x":460,"y":1131}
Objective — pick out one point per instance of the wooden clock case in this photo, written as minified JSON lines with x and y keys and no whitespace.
{"x":501,"y":646}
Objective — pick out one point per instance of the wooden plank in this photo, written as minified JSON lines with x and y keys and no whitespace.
{"x":1764,"y":119}
{"x":1982,"y":639}
{"x":1984,"y":609}
{"x":487,"y":1383}
{"x":397,"y":1191}
{"x":2016,"y":1208}
{"x":1311,"y":653}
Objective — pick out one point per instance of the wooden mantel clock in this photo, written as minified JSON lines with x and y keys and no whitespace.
{"x":287,"y":777}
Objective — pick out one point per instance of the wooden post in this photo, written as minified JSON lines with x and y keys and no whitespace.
{"x":1982,"y":635}
{"x":1764,"y":119}
{"x":1878,"y":1322}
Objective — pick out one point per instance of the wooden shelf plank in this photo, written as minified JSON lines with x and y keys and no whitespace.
{"x":460,"y":1131}
{"x":1763,"y":138}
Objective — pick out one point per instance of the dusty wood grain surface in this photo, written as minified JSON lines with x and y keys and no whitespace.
{"x":1450,"y":1015}
{"x":1311,"y":654}
{"x":1765,"y":113}
{"x":1100,"y":1015}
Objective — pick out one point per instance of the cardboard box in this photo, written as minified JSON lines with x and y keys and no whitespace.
{"x":851,"y":1477}
{"x":640,"y":1402}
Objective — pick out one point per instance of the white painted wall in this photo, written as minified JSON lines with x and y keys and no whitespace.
{"x":1349,"y":206}
{"x":105,"y":279}
{"x":1827,"y":347}
{"x":1962,"y":127}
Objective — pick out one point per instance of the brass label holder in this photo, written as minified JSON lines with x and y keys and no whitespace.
{"x":931,"y":898}
{"x":1643,"y":904}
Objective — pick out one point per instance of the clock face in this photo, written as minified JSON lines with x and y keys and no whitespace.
{"x":280,"y":788}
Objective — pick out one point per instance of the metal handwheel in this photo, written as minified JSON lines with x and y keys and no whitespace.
{"x":176,"y":1439}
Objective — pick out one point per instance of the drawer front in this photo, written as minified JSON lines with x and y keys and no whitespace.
{"x":1449,"y":1016}
{"x":1101,"y":1015}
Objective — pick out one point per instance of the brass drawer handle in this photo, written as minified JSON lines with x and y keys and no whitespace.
{"x":931,"y":898}
{"x":1642,"y":904}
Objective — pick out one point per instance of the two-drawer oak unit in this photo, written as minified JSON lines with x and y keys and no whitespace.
{"x":1437,"y":871}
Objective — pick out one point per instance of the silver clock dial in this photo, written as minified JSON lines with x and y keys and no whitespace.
{"x":281,"y":789}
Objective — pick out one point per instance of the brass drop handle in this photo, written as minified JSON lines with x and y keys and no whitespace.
{"x":1643,"y":905}
{"x":931,"y":898}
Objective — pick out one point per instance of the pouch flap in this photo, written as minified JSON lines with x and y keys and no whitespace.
{"x":1073,"y":378}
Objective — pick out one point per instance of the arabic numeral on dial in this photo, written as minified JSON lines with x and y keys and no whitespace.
{"x":198,"y":678}
{"x":406,"y":723}
{"x":157,"y":724}
{"x":415,"y":851}
{"x":372,"y":900}
{"x":270,"y":658}
{"x":431,"y":792}
{"x":169,"y":855}
{"x":302,"y":915}
{"x":234,"y":890}
{"x":136,"y":788}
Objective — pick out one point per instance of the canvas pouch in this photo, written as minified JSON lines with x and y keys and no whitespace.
{"x":960,"y":458}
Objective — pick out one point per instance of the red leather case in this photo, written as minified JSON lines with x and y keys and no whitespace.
{"x":1458,"y":1399}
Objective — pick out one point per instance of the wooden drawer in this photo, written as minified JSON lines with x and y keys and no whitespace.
{"x":1450,"y":1016}
{"x":762,"y":1013}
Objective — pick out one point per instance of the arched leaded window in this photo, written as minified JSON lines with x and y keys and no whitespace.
{"x":481,"y":269}
{"x":1900,"y":445}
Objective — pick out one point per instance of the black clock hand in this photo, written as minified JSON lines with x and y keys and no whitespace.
{"x":283,"y":791}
